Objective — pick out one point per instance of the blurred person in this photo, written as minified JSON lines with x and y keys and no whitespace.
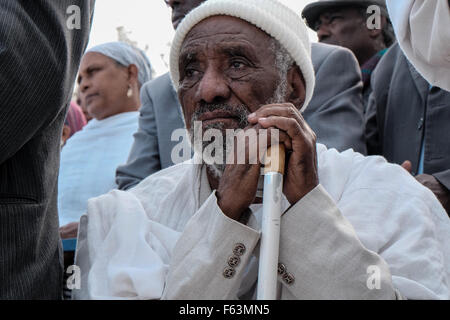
{"x":423,"y":32}
{"x":191,"y":231}
{"x":409,"y":114}
{"x":39,"y":59}
{"x":344,"y":23}
{"x":110,"y":78}
{"x":75,"y":121}
{"x":335,"y":112}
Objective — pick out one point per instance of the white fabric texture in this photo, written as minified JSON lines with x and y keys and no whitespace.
{"x":392,"y":214}
{"x":423,"y":32}
{"x":271,"y":16}
{"x":89,"y":161}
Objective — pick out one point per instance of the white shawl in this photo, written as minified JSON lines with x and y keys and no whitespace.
{"x":89,"y":161}
{"x":423,"y":32}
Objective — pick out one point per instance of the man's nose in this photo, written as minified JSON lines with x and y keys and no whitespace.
{"x":323,"y":31}
{"x":213,"y":87}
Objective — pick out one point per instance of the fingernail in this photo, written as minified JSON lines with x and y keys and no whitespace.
{"x":252,"y":115}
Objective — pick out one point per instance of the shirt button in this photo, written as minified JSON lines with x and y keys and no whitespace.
{"x":281,"y":269}
{"x":288,"y":278}
{"x":234,"y":261}
{"x":420,"y":124}
{"x":229,"y":272}
{"x":239,"y":249}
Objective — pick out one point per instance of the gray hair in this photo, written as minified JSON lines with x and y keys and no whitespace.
{"x":283,"y":62}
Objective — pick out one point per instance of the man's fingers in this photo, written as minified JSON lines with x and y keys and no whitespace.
{"x":283,"y":110}
{"x":291,"y":127}
{"x":407,"y":165}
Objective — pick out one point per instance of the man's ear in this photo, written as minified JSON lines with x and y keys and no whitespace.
{"x":376,"y":32}
{"x":296,"y":91}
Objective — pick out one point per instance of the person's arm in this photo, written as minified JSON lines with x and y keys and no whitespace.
{"x":143,"y":159}
{"x":444,"y":178}
{"x":441,"y":188}
{"x":39,"y":58}
{"x":321,"y":252}
{"x":210,"y":257}
{"x":336,"y":111}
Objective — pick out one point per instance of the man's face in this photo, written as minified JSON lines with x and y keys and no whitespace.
{"x":180,"y":8}
{"x":344,"y":27}
{"x":227,"y":71}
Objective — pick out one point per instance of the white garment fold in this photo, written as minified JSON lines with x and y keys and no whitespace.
{"x":423,"y":32}
{"x":89,"y":161}
{"x":127,"y":250}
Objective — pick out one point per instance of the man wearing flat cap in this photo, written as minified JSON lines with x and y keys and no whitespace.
{"x":352,"y":227}
{"x":346,"y":23}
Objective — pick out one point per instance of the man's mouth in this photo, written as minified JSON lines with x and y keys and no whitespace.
{"x":219,"y":116}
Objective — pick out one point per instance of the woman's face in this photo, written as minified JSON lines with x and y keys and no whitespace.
{"x":103,"y":86}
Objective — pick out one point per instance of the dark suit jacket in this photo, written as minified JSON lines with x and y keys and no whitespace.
{"x":39,"y":58}
{"x":335,"y":113}
{"x":402,"y":111}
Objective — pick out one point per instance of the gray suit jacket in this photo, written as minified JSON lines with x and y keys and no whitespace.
{"x":403,"y":111}
{"x":39,"y":58}
{"x":335,"y":114}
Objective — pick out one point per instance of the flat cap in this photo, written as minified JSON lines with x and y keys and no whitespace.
{"x":313,"y":10}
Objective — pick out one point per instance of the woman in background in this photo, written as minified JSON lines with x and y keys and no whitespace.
{"x":109,"y":80}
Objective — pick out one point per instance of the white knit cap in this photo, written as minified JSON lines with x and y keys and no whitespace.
{"x":271,"y":16}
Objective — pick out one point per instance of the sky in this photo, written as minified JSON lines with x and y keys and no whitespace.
{"x":148,"y":23}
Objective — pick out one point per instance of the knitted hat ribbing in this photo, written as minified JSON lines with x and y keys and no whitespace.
{"x":271,"y":16}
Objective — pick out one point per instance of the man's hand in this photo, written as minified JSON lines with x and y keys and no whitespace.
{"x":69,"y":231}
{"x":301,"y":174}
{"x":238,"y":185}
{"x":439,"y":190}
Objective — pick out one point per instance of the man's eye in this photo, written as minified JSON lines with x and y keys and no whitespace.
{"x":237,"y":64}
{"x":189,"y":73}
{"x":334,"y":18}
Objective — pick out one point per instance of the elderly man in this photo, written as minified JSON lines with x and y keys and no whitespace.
{"x":335,"y":111}
{"x":352,"y":228}
{"x":344,"y":23}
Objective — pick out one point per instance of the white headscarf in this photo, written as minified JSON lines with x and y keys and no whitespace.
{"x":125,"y":54}
{"x":423,"y":32}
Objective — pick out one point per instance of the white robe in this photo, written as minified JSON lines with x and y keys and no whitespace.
{"x":167,"y":238}
{"x":422,"y":28}
{"x":89,"y":161}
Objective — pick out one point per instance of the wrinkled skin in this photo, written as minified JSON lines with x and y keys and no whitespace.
{"x":225,"y":60}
